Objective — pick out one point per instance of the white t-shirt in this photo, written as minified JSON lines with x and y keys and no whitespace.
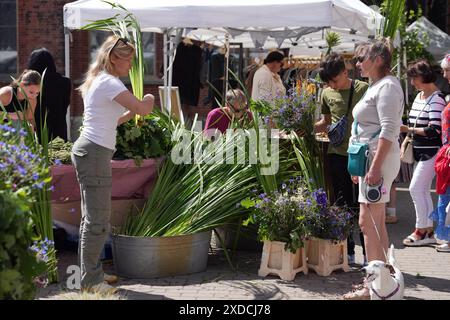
{"x":267,"y":85}
{"x":101,"y":112}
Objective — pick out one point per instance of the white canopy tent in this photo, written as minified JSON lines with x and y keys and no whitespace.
{"x":238,"y":16}
{"x":439,"y":41}
{"x":231,"y":13}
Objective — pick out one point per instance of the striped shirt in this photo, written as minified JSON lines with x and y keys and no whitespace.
{"x":427,"y":113}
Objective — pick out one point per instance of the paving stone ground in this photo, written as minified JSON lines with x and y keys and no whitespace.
{"x":426,"y":273}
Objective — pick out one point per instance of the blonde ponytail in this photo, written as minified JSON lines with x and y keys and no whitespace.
{"x":113,"y":45}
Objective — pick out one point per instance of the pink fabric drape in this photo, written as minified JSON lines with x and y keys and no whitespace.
{"x":128,"y":180}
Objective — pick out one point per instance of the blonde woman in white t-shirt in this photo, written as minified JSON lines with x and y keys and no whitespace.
{"x":107,"y":103}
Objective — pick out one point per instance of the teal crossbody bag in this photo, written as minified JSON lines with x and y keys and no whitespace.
{"x":358,"y":154}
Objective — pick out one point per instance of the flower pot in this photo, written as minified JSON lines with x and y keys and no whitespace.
{"x":285,"y":264}
{"x":325,"y":256}
{"x":151,"y":257}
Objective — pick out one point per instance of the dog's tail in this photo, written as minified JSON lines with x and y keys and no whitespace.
{"x":391,"y":255}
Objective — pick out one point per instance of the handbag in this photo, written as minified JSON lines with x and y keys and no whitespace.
{"x":406,"y":150}
{"x":337,"y":131}
{"x":358,"y":154}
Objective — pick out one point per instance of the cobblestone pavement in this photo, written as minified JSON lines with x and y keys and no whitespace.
{"x":426,"y":273}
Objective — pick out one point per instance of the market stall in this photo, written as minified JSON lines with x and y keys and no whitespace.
{"x":283,"y":18}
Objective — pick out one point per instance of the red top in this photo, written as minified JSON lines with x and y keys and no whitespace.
{"x":446,"y":125}
{"x":218,"y":119}
{"x":442,"y":163}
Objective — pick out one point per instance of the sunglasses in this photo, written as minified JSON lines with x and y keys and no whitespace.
{"x":124,"y":40}
{"x":360,"y":59}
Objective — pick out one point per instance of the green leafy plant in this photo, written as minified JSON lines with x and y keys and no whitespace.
{"x":332,"y":39}
{"x":392,"y":11}
{"x":196,"y":195}
{"x":327,"y":221}
{"x":38,"y":198}
{"x":18,"y":264}
{"x":146,"y":139}
{"x":280,"y":216}
{"x":59,"y":151}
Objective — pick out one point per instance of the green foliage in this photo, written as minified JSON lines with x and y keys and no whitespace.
{"x":280,"y":216}
{"x":147,"y":139}
{"x":195,"y":195}
{"x":59,"y":151}
{"x":25,"y":172}
{"x":18,"y":264}
{"x":295,"y":212}
{"x":333,"y":39}
{"x":392,"y":11}
{"x":415,"y":46}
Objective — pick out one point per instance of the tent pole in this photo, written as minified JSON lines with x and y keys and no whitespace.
{"x":171,"y":58}
{"x":166,"y":95}
{"x":67,"y":74}
{"x":225,"y":66}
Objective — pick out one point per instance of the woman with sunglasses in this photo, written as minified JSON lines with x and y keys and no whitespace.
{"x":377,"y":119}
{"x":235,"y":110}
{"x":107,"y":104}
{"x":425,"y":128}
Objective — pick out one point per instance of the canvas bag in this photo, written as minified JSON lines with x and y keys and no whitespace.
{"x":358,"y":154}
{"x":337,"y":131}
{"x":406,"y":154}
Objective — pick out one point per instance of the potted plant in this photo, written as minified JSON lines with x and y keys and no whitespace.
{"x":281,"y":216}
{"x":328,"y":227}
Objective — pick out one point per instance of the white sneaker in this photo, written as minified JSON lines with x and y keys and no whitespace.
{"x":443,"y":248}
{"x":103,"y":287}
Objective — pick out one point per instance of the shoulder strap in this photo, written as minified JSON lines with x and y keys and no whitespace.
{"x":427,"y":101}
{"x":350,"y":98}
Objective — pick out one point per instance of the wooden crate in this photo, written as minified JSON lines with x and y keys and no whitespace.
{"x":277,"y":261}
{"x":324,"y":256}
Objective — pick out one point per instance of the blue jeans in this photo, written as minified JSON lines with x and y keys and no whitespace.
{"x":439,"y":215}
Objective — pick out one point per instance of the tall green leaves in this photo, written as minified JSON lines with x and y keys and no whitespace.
{"x":197,"y":195}
{"x":392,"y":11}
{"x":126,"y":26}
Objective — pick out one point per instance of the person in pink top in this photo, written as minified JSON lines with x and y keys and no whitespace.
{"x":235,"y":110}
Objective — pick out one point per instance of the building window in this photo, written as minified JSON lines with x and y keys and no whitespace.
{"x":8,"y":41}
{"x":148,"y":43}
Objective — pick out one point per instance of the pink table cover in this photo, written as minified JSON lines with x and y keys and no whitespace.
{"x":128,"y":180}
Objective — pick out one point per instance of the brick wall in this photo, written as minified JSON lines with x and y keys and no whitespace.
{"x":40,"y":24}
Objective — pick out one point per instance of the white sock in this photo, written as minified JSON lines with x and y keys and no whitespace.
{"x":391,"y":211}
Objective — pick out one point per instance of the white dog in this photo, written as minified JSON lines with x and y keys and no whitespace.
{"x":385,"y":280}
